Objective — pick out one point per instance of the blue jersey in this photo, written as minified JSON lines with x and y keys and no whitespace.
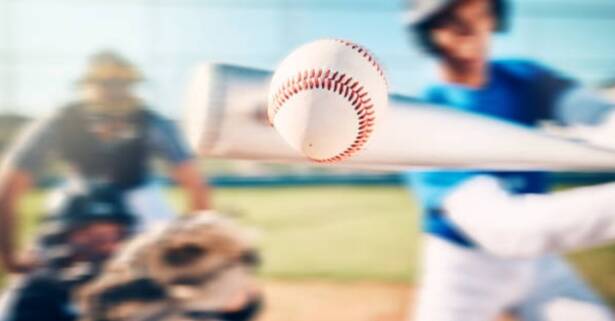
{"x":517,"y":91}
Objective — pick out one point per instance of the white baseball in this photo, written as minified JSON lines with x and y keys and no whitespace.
{"x":326,"y":98}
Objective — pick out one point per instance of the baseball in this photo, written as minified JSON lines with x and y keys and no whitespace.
{"x":326,"y":99}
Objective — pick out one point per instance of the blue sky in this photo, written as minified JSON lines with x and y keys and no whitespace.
{"x":45,"y":42}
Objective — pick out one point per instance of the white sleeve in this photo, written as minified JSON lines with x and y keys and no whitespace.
{"x":531,"y":225}
{"x":601,"y":135}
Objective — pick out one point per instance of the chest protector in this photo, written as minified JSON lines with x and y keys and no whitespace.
{"x":121,"y":162}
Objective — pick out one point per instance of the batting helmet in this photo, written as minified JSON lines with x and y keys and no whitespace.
{"x":421,"y":16}
{"x":420,"y":12}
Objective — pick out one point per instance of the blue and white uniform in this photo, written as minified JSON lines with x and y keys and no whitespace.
{"x":467,"y":277}
{"x":109,"y":150}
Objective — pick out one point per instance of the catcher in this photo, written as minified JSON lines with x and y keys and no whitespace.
{"x":108,"y":137}
{"x":197,"y":268}
{"x":78,"y":238}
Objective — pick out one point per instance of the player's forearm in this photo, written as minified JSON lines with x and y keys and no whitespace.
{"x":195,"y":186}
{"x":532,"y":225}
{"x":199,"y":198}
{"x":14,"y":185}
{"x":6,"y":235}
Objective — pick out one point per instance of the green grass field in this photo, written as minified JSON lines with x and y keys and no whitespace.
{"x":341,"y":233}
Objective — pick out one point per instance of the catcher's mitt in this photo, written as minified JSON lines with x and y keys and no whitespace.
{"x":197,"y":268}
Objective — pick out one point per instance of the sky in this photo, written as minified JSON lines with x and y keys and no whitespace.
{"x":44,"y":44}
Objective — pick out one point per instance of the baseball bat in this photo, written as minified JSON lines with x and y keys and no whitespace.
{"x":225,"y":117}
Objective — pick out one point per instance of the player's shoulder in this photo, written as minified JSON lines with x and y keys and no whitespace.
{"x":435,"y":93}
{"x":521,"y":68}
{"x":156,"y":119}
{"x":160,"y":127}
{"x":67,"y":113}
{"x":70,"y":107}
{"x":57,"y":117}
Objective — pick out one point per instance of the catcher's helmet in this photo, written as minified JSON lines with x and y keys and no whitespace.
{"x":103,"y":204}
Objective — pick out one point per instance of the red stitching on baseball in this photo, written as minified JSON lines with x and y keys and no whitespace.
{"x":336,"y":82}
{"x":366,"y":54}
{"x":341,"y":84}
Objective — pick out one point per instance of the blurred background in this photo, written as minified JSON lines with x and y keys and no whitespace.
{"x":340,"y":243}
{"x":45,"y":43}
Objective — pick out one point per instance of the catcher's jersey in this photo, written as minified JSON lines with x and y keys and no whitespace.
{"x":519,"y":92}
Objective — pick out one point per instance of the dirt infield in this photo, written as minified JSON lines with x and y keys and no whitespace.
{"x":327,"y":301}
{"x":332,"y":301}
